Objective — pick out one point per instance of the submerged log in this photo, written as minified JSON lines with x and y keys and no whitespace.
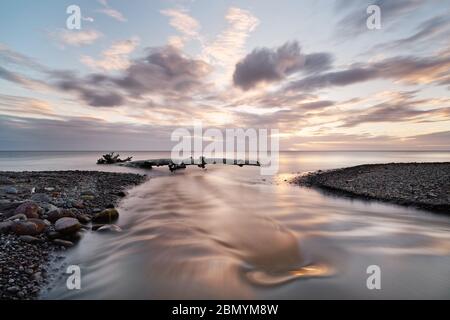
{"x":112,"y":158}
{"x":181,"y":164}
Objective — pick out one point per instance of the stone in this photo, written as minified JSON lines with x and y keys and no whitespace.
{"x":41,"y":224}
{"x":9,"y":190}
{"x":29,"y":239}
{"x":54,"y":215}
{"x":13,"y":289}
{"x":40,"y":197}
{"x":84,"y":218}
{"x":25,"y":228}
{"x":28,"y":208}
{"x":63,"y":243}
{"x":107,"y":215}
{"x":48,"y":207}
{"x":110,"y":228}
{"x":19,"y":216}
{"x":5,"y":226}
{"x":67,"y":225}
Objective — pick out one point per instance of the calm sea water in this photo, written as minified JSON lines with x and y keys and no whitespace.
{"x":228,"y":232}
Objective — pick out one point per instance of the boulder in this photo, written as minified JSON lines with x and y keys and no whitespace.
{"x":28,"y":208}
{"x":106,"y":216}
{"x":67,"y":225}
{"x":24,"y":228}
{"x":60,"y":213}
{"x":42,"y":225}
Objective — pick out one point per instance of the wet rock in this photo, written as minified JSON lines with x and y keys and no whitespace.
{"x":63,"y":243}
{"x":28,"y":208}
{"x":67,"y":225}
{"x":106,"y":216}
{"x":110,"y":228}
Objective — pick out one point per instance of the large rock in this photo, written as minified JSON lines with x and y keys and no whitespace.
{"x":28,"y":208}
{"x":41,"y":224}
{"x":106,"y":216}
{"x":30,"y":228}
{"x":60,"y":213}
{"x":67,"y":225}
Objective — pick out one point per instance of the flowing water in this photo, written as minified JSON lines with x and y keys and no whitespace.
{"x":228,"y":232}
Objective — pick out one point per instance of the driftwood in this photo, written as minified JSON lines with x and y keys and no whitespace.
{"x":181,"y":164}
{"x":112,"y":158}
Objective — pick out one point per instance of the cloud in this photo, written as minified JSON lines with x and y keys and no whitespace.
{"x":409,"y":70}
{"x":21,"y":106}
{"x":185,"y":24}
{"x":427,"y":30}
{"x":394,"y":112}
{"x":228,"y":47}
{"x":80,"y":133}
{"x":164,"y":71}
{"x":110,"y":12}
{"x":114,"y":58}
{"x":354,"y":22}
{"x":266,"y":65}
{"x":76,"y":37}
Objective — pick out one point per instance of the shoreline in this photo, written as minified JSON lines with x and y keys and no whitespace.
{"x":43,"y":213}
{"x":423,"y":185}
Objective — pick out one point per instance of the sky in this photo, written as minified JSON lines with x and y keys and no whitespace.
{"x":137,"y":70}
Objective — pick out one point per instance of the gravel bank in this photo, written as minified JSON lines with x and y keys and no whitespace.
{"x":44,"y":213}
{"x":422,"y":185}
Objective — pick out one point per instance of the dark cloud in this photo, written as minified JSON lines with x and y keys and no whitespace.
{"x":163,"y":70}
{"x":411,"y":70}
{"x":268,"y":65}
